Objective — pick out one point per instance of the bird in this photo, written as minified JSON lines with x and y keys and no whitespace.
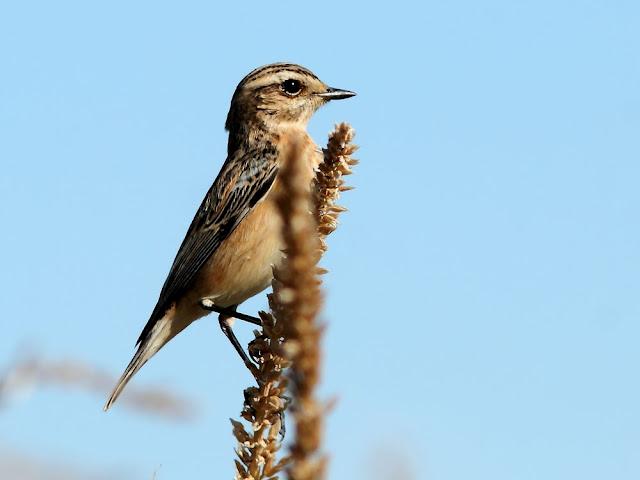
{"x":234,"y":239}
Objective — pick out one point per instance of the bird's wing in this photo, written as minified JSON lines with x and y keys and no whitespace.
{"x":242,"y":182}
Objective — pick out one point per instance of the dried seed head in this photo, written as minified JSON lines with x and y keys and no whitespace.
{"x":291,"y":333}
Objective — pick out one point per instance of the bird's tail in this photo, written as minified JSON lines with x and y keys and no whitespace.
{"x":163,"y":331}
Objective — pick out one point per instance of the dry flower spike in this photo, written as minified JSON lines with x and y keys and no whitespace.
{"x":33,"y":371}
{"x":291,"y":333}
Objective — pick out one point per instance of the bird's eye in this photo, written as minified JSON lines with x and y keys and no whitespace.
{"x":291,"y":87}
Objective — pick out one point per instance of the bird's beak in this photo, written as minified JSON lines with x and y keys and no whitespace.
{"x":336,"y":94}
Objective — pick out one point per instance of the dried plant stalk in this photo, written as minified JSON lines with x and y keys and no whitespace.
{"x":291,"y":333}
{"x":298,"y":302}
{"x":329,"y":182}
{"x":263,"y":407}
{"x":33,"y":371}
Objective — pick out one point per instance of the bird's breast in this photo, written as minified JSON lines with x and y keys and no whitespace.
{"x":243,"y":264}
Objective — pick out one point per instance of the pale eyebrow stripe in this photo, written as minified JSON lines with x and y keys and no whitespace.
{"x":270,"y":69}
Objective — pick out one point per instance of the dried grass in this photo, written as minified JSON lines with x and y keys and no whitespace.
{"x":33,"y":371}
{"x":287,"y":349}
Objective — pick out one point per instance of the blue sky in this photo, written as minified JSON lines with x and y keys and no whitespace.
{"x":483,"y":299}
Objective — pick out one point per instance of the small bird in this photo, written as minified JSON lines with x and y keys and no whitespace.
{"x":234,"y":240}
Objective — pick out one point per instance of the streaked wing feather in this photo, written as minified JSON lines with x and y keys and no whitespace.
{"x":240,"y":185}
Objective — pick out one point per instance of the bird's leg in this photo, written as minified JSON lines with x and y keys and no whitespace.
{"x":207,"y":304}
{"x":225,"y":325}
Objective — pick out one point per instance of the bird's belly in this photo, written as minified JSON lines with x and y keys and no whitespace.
{"x":243,"y":265}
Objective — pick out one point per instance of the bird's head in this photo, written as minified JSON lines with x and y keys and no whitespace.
{"x":279,"y":94}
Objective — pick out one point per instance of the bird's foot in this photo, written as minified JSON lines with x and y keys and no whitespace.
{"x":208,"y":304}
